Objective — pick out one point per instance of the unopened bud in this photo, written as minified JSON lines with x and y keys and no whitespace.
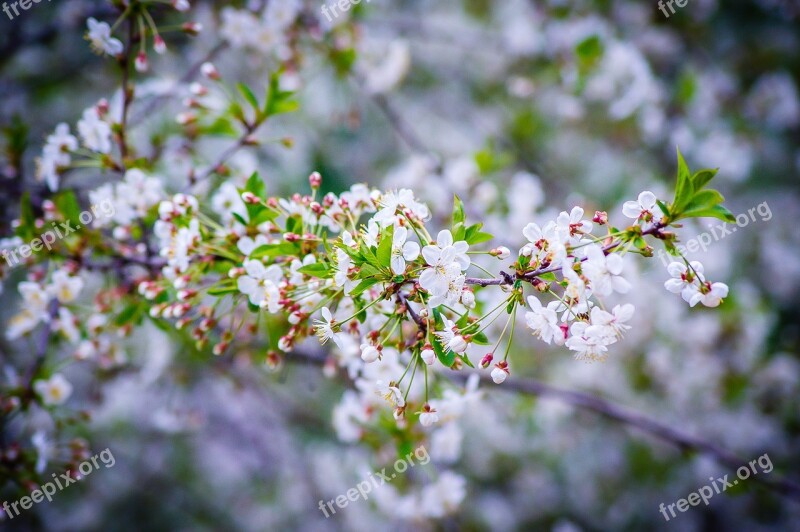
{"x":159,"y":45}
{"x":210,"y":71}
{"x":141,"y":62}
{"x":600,"y":217}
{"x":192,"y":28}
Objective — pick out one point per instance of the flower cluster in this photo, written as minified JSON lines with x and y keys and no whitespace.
{"x":363,"y":271}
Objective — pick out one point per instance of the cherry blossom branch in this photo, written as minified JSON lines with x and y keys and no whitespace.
{"x":244,"y":140}
{"x":507,"y":279}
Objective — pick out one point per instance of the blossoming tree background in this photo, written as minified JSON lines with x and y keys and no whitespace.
{"x":260,"y":251}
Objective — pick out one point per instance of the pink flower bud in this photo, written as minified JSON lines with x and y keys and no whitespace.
{"x":315,"y":180}
{"x":487,"y":359}
{"x":141,"y":62}
{"x":500,"y":372}
{"x":159,"y":45}
{"x":600,"y":217}
{"x":192,"y":28}
{"x":210,"y":71}
{"x":249,"y":197}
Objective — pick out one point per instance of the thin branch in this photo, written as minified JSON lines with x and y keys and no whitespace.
{"x":154,"y":104}
{"x":613,"y":411}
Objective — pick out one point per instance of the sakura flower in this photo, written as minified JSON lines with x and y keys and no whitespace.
{"x":436,"y":279}
{"x":710,"y":294}
{"x":391,"y":393}
{"x":369,"y":353}
{"x":35,"y":298}
{"x":428,"y":416}
{"x":500,"y":372}
{"x":450,"y":339}
{"x":428,"y":354}
{"x":544,"y":245}
{"x":140,"y":191}
{"x":641,"y":209}
{"x":324,"y":328}
{"x":445,"y":240}
{"x":588,"y":342}
{"x":227,"y":201}
{"x":454,"y":290}
{"x":62,"y":139}
{"x":22,"y":323}
{"x":281,"y":13}
{"x":603,"y":271}
{"x":100,"y":38}
{"x":342,"y":276}
{"x":95,"y":133}
{"x":54,"y":391}
{"x":65,"y":323}
{"x":403,"y":200}
{"x":371,"y":234}
{"x":612,"y":324}
{"x":402,"y":251}
{"x":260,"y":284}
{"x":543,"y":321}
{"x":571,"y":226}
{"x":685,"y":280}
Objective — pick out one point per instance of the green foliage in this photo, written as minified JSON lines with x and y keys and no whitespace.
{"x":692,"y":199}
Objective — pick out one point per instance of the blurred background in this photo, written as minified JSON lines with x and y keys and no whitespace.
{"x":523,"y":109}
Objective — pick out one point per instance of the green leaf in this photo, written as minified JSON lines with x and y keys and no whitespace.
{"x":446,"y":358}
{"x":316,"y":269}
{"x":364,"y":285}
{"x":661,"y":205}
{"x":256,"y":185}
{"x":248,"y":95}
{"x":68,"y":205}
{"x":278,"y":101}
{"x":274,"y":250}
{"x":27,"y":221}
{"x":129,"y":314}
{"x":480,"y":339}
{"x":474,"y":235}
{"x":294,"y":224}
{"x":458,"y":211}
{"x":367,"y":270}
{"x":239,"y":218}
{"x":384,"y":252}
{"x":717,"y":211}
{"x":221,"y":127}
{"x":705,"y":199}
{"x":684,"y":189}
{"x":222,"y":288}
{"x":702,"y":177}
